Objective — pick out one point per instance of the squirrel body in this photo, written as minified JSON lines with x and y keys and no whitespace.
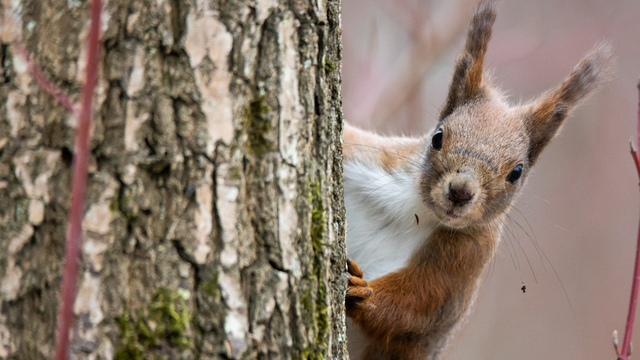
{"x":424,"y":214}
{"x":383,"y":205}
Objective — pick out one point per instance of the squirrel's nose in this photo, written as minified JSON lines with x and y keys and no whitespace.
{"x":459,"y":193}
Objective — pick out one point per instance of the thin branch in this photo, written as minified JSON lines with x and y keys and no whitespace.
{"x":78,"y":190}
{"x":43,"y":81}
{"x":624,"y":353}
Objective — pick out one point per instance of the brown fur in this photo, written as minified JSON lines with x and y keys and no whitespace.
{"x":411,"y":313}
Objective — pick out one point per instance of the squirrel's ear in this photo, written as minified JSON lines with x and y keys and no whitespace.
{"x":547,"y":113}
{"x":467,"y":77}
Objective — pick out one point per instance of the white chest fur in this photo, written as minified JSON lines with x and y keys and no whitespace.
{"x":381,"y":208}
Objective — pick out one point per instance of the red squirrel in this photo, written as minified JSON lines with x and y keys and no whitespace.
{"x":424,"y":214}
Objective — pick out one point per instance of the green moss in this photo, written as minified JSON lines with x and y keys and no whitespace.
{"x":235,"y":173}
{"x":130,"y":349}
{"x":113,"y":206}
{"x":169,"y":312}
{"x":322,"y":316}
{"x":315,"y":304}
{"x":307,"y":300}
{"x":258,"y":127}
{"x":317,"y":218}
{"x":166,"y":323}
{"x":329,"y":66}
{"x":210,"y":287}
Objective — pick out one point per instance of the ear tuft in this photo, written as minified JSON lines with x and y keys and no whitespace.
{"x":479,"y":32}
{"x":596,"y":67}
{"x":547,"y":113}
{"x":467,"y":76}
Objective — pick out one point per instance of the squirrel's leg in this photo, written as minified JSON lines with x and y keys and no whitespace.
{"x":385,"y":322}
{"x":412,"y":311}
{"x":358,"y":297}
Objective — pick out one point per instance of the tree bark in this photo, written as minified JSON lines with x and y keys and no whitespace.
{"x":214,"y":224}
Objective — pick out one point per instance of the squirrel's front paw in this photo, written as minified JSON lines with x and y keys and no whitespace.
{"x":359,"y":293}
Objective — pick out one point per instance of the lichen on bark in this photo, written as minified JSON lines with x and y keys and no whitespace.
{"x":214,"y":222}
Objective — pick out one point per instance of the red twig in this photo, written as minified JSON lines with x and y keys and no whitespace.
{"x":78,"y":190}
{"x":43,"y":81}
{"x":624,"y":353}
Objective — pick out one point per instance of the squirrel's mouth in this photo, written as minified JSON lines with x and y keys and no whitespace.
{"x":455,"y":216}
{"x":451,"y":214}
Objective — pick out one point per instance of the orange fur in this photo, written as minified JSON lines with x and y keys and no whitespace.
{"x":416,"y":306}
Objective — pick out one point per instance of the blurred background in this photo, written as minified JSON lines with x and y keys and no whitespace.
{"x":580,"y":205}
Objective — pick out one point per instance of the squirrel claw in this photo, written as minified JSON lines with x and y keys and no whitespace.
{"x":359,"y":292}
{"x":354,"y":269}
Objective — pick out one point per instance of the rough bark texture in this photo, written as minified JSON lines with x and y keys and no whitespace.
{"x":214,"y":225}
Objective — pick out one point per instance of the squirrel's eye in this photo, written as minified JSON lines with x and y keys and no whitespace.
{"x":436,"y":141}
{"x":515,"y":174}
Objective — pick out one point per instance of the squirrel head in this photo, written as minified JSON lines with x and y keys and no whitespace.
{"x":482,"y":149}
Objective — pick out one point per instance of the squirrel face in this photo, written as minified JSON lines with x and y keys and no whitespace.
{"x":482,"y":148}
{"x":476,"y":162}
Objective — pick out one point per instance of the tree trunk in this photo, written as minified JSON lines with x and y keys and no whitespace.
{"x":214,"y":223}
